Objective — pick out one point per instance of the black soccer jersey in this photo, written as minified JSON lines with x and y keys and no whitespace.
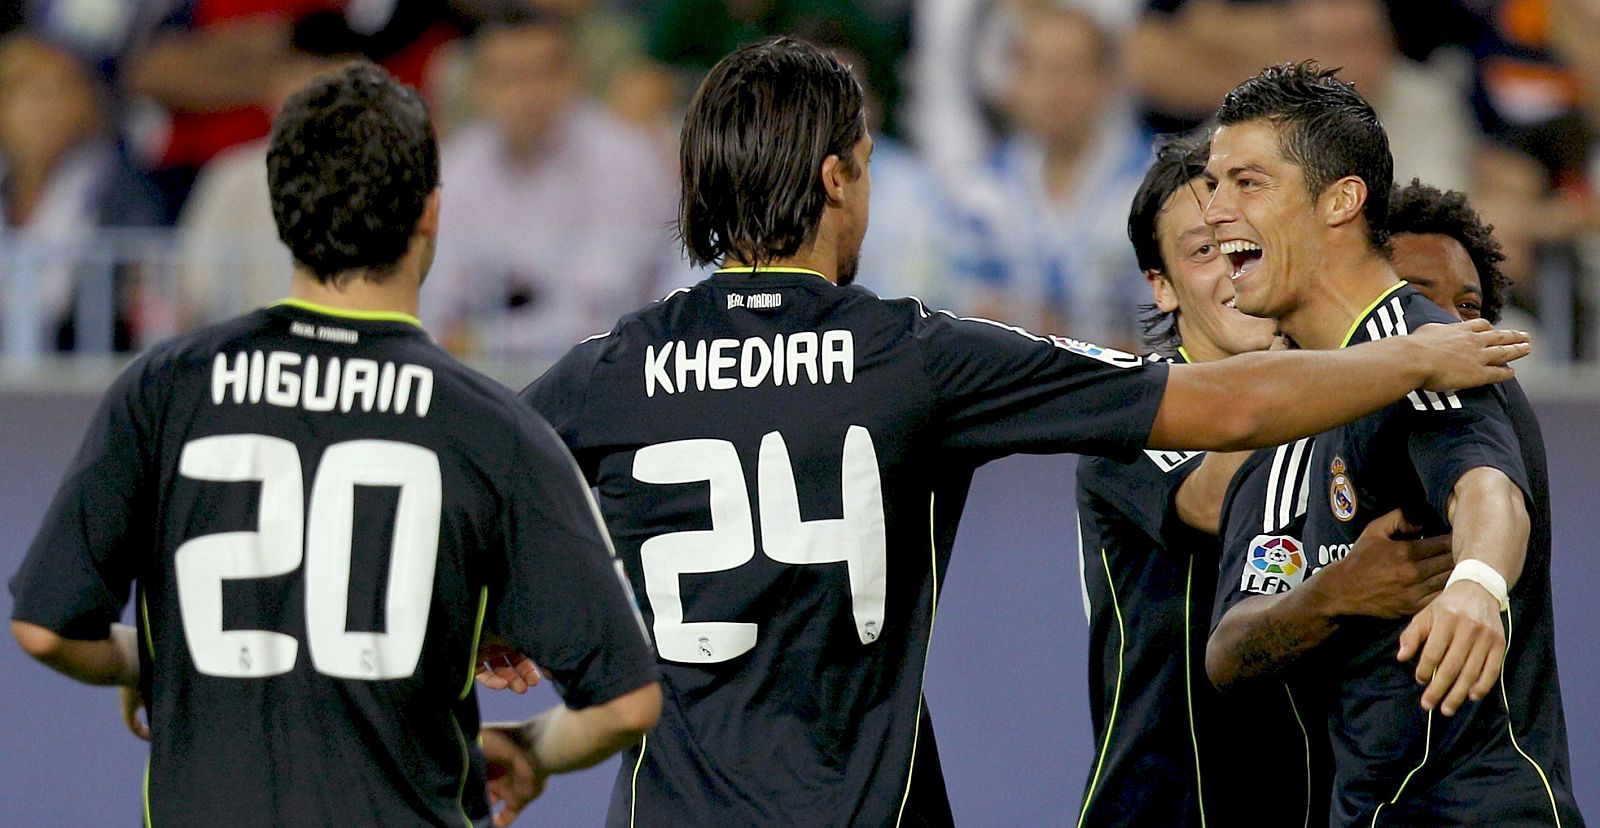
{"x":321,"y":511}
{"x":782,"y":463}
{"x":1502,"y":761}
{"x":1280,"y":732}
{"x":1148,"y":580}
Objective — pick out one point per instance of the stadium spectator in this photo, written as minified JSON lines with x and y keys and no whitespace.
{"x":212,"y":64}
{"x":1183,"y":54}
{"x":334,"y":696}
{"x":230,"y":258}
{"x":792,"y":659}
{"x":1051,"y":251}
{"x":63,"y":177}
{"x":557,"y":213}
{"x":1423,"y":107}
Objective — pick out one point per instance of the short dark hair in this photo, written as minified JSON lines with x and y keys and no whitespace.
{"x":754,"y":138}
{"x":352,"y":160}
{"x":1325,"y":128}
{"x":1179,"y":160}
{"x":1419,"y":208}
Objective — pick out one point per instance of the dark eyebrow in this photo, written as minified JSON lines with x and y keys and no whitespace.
{"x":1472,"y":289}
{"x":1255,"y":168}
{"x":1195,"y":231}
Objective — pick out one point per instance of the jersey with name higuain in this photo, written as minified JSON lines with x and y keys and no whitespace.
{"x":782,"y":463}
{"x":321,"y":512}
{"x":1501,"y":761}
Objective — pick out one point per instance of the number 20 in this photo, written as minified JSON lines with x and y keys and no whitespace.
{"x":288,"y":532}
{"x":857,"y":539}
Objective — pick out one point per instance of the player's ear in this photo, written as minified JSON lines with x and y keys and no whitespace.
{"x":428,"y":223}
{"x":835,"y":177}
{"x":1343,"y":201}
{"x":1161,"y":288}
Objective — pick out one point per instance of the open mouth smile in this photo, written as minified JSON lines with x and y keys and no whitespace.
{"x":1244,"y":256}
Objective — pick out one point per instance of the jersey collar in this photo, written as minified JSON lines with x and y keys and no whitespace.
{"x":1362,"y":316}
{"x":764,"y":270}
{"x":1184,"y":356}
{"x":347,"y":313}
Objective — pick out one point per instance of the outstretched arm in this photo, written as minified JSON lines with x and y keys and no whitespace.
{"x":1385,"y":576}
{"x":1460,"y":636}
{"x":1267,"y":399}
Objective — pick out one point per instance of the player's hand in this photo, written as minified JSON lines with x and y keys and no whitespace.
{"x":133,"y":711}
{"x":514,"y":779}
{"x":1468,"y":354}
{"x":1462,"y":643}
{"x":502,"y":666}
{"x":1388,"y":574}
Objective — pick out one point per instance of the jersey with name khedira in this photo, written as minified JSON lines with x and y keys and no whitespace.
{"x":321,"y":513}
{"x":782,"y":463}
{"x":1501,"y":761}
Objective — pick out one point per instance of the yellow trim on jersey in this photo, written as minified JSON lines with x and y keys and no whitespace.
{"x":633,"y":784}
{"x":1185,"y":354}
{"x":1360,"y":317}
{"x":477,"y":636}
{"x":754,"y":270}
{"x":466,"y":769}
{"x":1188,"y":692}
{"x":349,"y":313}
{"x":1116,"y":694}
{"x":1512,"y":733}
{"x":144,"y":612}
{"x":916,"y":733}
{"x":1427,"y":747}
{"x":1306,"y":736}
{"x":147,"y":823}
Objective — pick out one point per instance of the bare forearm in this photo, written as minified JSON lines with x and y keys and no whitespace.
{"x":112,"y":660}
{"x":1489,"y":522}
{"x":1199,"y":499}
{"x":1262,"y":635}
{"x":562,"y":740}
{"x":1267,"y":399}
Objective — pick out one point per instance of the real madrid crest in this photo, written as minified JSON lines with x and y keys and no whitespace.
{"x":1341,"y":493}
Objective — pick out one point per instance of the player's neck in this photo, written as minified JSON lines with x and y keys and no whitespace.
{"x":808,"y":259}
{"x":395,"y":294}
{"x":1342,"y":290}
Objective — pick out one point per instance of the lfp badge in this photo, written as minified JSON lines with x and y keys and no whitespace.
{"x":1341,"y":493}
{"x":1277,"y":563}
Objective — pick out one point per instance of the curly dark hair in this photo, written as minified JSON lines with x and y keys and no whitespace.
{"x":754,"y":137}
{"x":1419,"y":208}
{"x":351,"y":162}
{"x":1179,"y":160}
{"x":1325,"y":128}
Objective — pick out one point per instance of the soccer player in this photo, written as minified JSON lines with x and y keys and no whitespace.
{"x":1302,"y":171}
{"x":782,"y":459}
{"x":321,"y":511}
{"x":1446,"y":252}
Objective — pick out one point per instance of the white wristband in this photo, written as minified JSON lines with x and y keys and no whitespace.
{"x":1483,"y":575}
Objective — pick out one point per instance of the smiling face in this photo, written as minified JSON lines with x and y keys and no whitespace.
{"x":1265,"y":220}
{"x":1440,"y":268}
{"x":1196,"y":283}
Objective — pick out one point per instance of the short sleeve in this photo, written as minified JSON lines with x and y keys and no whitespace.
{"x":560,"y":393}
{"x":565,"y":601}
{"x":1144,"y":491}
{"x":1003,"y":390}
{"x":1449,"y":434}
{"x":1261,"y":531}
{"x":80,"y":567}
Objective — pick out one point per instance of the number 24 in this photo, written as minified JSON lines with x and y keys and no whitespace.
{"x":857,"y":539}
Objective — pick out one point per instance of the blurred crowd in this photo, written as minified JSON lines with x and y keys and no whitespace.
{"x":1011,"y":136}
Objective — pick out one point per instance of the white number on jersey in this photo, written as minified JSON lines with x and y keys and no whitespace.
{"x":858,"y":539}
{"x":281,"y":541}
